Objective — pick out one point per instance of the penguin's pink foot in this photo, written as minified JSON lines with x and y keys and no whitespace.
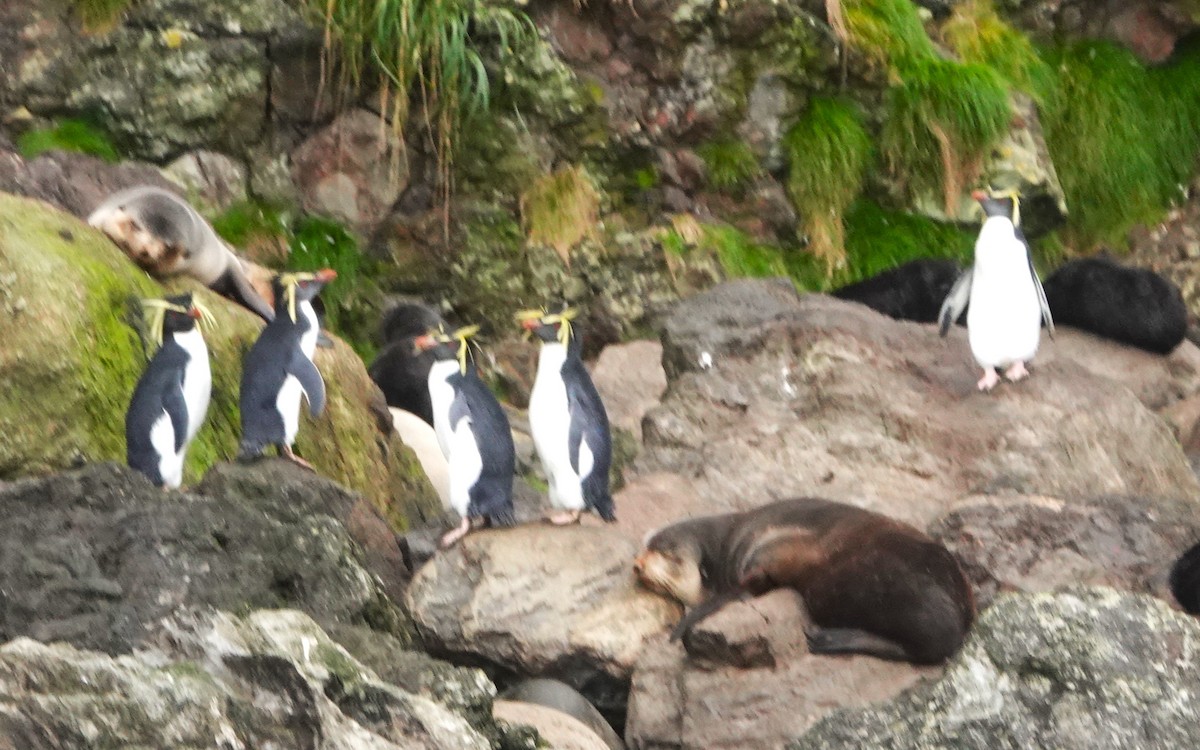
{"x":564,"y":518}
{"x":988,"y":381}
{"x":458,"y":532}
{"x":289,"y":455}
{"x":1016,"y":372}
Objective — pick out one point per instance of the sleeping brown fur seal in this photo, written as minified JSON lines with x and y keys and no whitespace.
{"x":871,"y":585}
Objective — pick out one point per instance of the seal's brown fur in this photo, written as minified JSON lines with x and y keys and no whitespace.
{"x":870,"y":584}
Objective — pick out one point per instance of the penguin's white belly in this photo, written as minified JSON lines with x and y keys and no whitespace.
{"x":170,"y":462}
{"x":197,"y":382}
{"x":441,"y":396}
{"x":418,"y":435}
{"x":550,"y":425}
{"x":464,"y":464}
{"x":1004,"y":320}
{"x":287,"y":403}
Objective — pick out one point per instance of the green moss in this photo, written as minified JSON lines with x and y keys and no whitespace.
{"x":941,"y":119}
{"x":646,"y":178}
{"x":729,"y":163}
{"x":561,"y":209}
{"x":980,"y":36}
{"x":79,"y":136}
{"x":890,"y":31}
{"x":828,"y":153}
{"x":1124,"y":138}
{"x":248,"y":221}
{"x":98,"y":15}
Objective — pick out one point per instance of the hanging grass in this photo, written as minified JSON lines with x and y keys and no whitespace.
{"x":729,"y":164}
{"x":942,"y":118}
{"x":561,"y":209}
{"x":426,"y":51}
{"x":978,"y":35}
{"x":828,"y":152}
{"x":79,"y":136}
{"x":1124,"y":138}
{"x":889,"y":31}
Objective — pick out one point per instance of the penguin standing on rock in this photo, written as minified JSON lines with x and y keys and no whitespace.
{"x":279,"y":367}
{"x":1007,"y":303}
{"x":568,"y":421}
{"x":171,"y":398}
{"x":473,"y":433}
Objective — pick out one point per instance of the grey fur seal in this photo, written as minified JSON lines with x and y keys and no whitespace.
{"x":561,"y":697}
{"x":871,"y":584}
{"x":165,"y":236}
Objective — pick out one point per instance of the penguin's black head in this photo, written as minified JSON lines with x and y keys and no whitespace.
{"x":549,"y":327}
{"x":291,"y":288}
{"x":995,"y":205}
{"x":180,"y":314}
{"x":445,"y":345}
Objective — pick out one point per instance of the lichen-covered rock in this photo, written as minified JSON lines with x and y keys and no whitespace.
{"x":76,"y":183}
{"x":540,"y":600}
{"x":1082,"y":668}
{"x":70,"y":356}
{"x":213,"y":680}
{"x":96,"y":556}
{"x":211,"y":181}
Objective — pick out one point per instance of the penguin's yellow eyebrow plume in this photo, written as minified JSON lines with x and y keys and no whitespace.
{"x":525,"y":317}
{"x":154,"y":312}
{"x":289,"y":282}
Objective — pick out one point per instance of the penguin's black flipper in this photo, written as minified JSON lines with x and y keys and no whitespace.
{"x":491,"y":496}
{"x":956,"y":301}
{"x":303,"y":369}
{"x":589,"y":426}
{"x":1037,"y":283}
{"x":176,"y":408}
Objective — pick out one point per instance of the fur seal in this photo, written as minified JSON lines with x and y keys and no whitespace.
{"x":165,"y":236}
{"x":1185,"y":580}
{"x":553,"y":694}
{"x":400,"y":371}
{"x":871,"y":584}
{"x":912,"y":291}
{"x":1134,"y":306}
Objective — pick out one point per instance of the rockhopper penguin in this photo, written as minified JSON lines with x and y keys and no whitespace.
{"x":1007,"y":303}
{"x":279,"y":366}
{"x":568,"y":421}
{"x":171,"y":398}
{"x":472,"y":432}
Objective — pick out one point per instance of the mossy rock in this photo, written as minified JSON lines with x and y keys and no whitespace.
{"x":71,"y":354}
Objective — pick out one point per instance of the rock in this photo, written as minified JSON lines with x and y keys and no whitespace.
{"x":353,"y":170}
{"x":1085,"y":667}
{"x":560,"y":731}
{"x":774,"y":395}
{"x":95,"y":557}
{"x":565,"y":701}
{"x":1149,"y":28}
{"x":630,"y":380}
{"x":75,"y":183}
{"x":680,"y":704}
{"x":1033,"y":544}
{"x":539,"y":600}
{"x":213,"y":680}
{"x":658,"y":499}
{"x":212,"y":182}
{"x":761,"y":632}
{"x":69,"y":369}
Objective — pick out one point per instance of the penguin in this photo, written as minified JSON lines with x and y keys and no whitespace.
{"x":473,"y":433}
{"x":171,"y":399}
{"x":165,"y":236}
{"x":279,"y":366}
{"x":401,"y":372}
{"x":1007,"y":302}
{"x":568,"y":421}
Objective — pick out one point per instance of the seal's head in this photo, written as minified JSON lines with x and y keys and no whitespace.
{"x":669,"y":564}
{"x":142,"y":245}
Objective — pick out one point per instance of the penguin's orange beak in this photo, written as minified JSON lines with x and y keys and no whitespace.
{"x":326,"y":275}
{"x":979,"y":195}
{"x":530,"y":324}
{"x":194,"y":313}
{"x":421,"y":343}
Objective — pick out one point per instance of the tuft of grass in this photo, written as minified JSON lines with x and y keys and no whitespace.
{"x":317,"y":242}
{"x":978,"y":35}
{"x":100,"y":15}
{"x":889,"y":31}
{"x":738,"y":254}
{"x":828,"y":152}
{"x":942,"y":118}
{"x":561,"y":209}
{"x":730,"y":165}
{"x":75,"y":135}
{"x":1124,"y":138}
{"x":261,"y":229}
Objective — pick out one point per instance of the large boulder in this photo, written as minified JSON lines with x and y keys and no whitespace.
{"x":774,"y":394}
{"x":71,"y":354}
{"x":541,"y":600}
{"x":1082,"y":668}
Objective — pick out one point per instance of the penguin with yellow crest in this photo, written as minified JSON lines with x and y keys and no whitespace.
{"x":279,"y":367}
{"x":473,"y":433}
{"x":171,"y":398}
{"x":568,"y":421}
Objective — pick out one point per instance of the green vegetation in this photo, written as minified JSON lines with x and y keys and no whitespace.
{"x":890,"y":31}
{"x":980,"y":36}
{"x":730,"y":164}
{"x":828,"y":152}
{"x":561,"y":209}
{"x":738,"y":253}
{"x":80,"y":136}
{"x":260,"y":229}
{"x":1124,"y":138}
{"x":98,"y":15}
{"x":427,"y":51}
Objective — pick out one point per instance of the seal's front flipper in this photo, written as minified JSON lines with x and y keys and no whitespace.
{"x":853,"y":641}
{"x":235,"y":285}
